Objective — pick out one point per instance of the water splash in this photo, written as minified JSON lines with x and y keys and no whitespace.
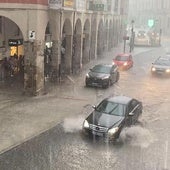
{"x":73,"y":124}
{"x":137,"y":136}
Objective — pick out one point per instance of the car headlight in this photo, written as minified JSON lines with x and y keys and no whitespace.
{"x":112,"y":131}
{"x":153,"y":69}
{"x":113,"y":63}
{"x":87,"y":75}
{"x":125,"y":64}
{"x":167,"y":70}
{"x":86,"y":124}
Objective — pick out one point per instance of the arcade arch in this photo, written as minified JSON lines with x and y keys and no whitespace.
{"x":11,"y":53}
{"x":48,"y":51}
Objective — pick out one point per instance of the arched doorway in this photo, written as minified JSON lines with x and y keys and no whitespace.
{"x":86,"y":43}
{"x":48,"y":51}
{"x":76,"y":52}
{"x":11,"y":54}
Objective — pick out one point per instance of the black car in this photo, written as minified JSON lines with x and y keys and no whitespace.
{"x":111,"y":115}
{"x":102,"y":75}
{"x":161,"y":66}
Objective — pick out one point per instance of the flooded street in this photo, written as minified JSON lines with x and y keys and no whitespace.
{"x":144,"y":146}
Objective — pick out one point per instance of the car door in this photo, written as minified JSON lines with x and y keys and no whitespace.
{"x":128,"y":120}
{"x":134,"y":110}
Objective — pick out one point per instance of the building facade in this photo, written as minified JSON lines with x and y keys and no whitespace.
{"x":142,"y":11}
{"x":58,"y":35}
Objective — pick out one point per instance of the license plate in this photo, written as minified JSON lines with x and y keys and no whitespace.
{"x":159,"y":72}
{"x":97,"y":133}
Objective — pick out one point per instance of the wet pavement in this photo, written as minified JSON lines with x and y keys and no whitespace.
{"x":22,"y":117}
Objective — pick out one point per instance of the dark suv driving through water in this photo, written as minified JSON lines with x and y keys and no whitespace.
{"x":111,"y":116}
{"x":102,"y":75}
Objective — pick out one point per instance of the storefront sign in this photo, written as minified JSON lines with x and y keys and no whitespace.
{"x":81,"y":5}
{"x":15,"y":42}
{"x":98,"y":5}
{"x":55,"y":4}
{"x":69,"y":3}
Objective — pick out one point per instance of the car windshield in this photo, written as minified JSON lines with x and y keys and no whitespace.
{"x":164,"y":62}
{"x":122,"y":58}
{"x":101,"y":69}
{"x":111,"y":108}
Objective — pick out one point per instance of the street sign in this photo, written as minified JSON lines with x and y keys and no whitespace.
{"x":150,"y":22}
{"x":32,"y":35}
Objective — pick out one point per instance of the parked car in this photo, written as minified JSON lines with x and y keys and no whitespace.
{"x":123,"y":60}
{"x":155,"y":37}
{"x":161,"y":66}
{"x":111,"y":116}
{"x":102,"y":75}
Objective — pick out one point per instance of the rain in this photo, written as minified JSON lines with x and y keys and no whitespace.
{"x":47,"y":49}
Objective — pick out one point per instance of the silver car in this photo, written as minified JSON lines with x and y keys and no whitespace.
{"x":161,"y":66}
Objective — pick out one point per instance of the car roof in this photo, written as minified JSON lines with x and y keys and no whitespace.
{"x":120,"y":99}
{"x":164,"y":58}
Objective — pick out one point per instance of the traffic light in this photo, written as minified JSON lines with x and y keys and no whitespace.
{"x":150,"y":23}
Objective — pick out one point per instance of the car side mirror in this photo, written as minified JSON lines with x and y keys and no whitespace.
{"x":131,"y":113}
{"x":94,"y":107}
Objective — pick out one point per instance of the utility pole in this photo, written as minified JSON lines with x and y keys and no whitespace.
{"x":132,"y":37}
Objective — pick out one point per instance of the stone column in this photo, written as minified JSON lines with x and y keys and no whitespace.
{"x":33,"y":67}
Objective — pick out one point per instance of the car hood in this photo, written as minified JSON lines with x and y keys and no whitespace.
{"x":98,"y":75}
{"x":102,"y":119}
{"x":161,"y":66}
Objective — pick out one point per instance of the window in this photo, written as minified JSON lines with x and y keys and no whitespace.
{"x":132,"y":105}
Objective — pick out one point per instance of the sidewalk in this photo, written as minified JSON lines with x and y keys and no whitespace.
{"x":22,"y":118}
